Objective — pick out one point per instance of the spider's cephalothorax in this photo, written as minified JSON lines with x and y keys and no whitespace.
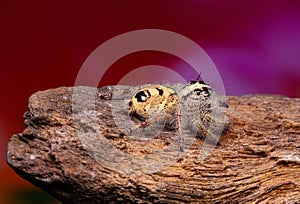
{"x":196,"y":90}
{"x":202,"y":110}
{"x":196,"y":95}
{"x":156,"y":102}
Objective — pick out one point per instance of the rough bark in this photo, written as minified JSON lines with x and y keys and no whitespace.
{"x":257,"y":160}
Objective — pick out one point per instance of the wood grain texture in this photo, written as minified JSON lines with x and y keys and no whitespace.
{"x":257,"y":161}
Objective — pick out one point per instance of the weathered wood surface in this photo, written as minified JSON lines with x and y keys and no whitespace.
{"x":257,"y":161}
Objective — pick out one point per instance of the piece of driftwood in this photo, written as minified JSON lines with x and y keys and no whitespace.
{"x":76,"y":151}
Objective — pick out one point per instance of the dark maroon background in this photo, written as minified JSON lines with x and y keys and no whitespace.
{"x":254,"y":44}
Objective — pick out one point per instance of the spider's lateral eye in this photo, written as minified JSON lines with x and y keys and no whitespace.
{"x":207,"y":90}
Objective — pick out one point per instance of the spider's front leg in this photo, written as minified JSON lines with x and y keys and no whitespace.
{"x":179,"y":129}
{"x":206,"y":128}
{"x":145,"y":124}
{"x":156,"y":119}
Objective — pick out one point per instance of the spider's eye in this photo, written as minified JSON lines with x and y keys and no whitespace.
{"x":141,"y":96}
{"x":204,"y":91}
{"x":197,"y":92}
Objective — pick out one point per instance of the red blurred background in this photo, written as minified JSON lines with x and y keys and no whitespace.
{"x":254,"y":44}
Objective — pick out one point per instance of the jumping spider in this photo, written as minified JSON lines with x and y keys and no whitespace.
{"x":193,"y":106}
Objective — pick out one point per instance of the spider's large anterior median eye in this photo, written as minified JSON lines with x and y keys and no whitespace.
{"x":141,"y":96}
{"x":197,"y":92}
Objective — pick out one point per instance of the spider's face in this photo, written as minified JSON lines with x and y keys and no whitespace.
{"x":196,"y":90}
